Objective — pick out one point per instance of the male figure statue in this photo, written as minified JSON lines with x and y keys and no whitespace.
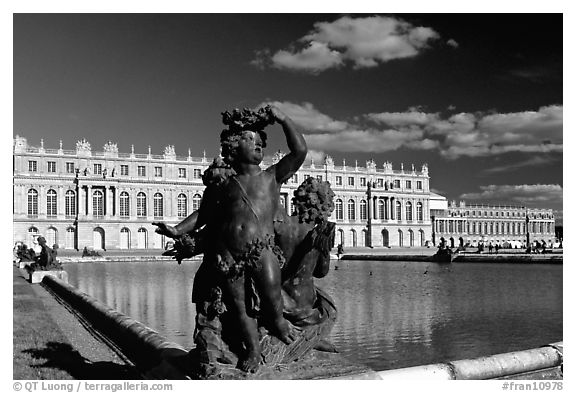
{"x":238,"y":211}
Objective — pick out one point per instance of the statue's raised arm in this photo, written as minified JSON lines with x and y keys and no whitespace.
{"x":291,"y":162}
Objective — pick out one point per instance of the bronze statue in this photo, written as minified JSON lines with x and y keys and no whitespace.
{"x":255,"y":256}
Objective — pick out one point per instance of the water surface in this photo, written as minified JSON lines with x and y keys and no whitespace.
{"x":391,"y":314}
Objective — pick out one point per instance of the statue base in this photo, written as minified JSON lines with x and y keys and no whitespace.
{"x":37,"y":276}
{"x":315,"y":365}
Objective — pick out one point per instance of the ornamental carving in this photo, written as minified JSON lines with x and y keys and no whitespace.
{"x":83,"y":145}
{"x":110,"y":147}
{"x":169,"y":150}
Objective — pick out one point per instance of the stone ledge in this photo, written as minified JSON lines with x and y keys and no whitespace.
{"x":37,"y":276}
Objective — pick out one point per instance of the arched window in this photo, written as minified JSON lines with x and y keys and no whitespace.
{"x":158,"y":205}
{"x":182,"y":206}
{"x":419,"y":214}
{"x":409,"y":211}
{"x":364,"y":238}
{"x":339,"y":210}
{"x":32,"y":202}
{"x":341,"y":236}
{"x":70,"y":203}
{"x":363,"y":210}
{"x":381,"y":210}
{"x":422,"y":238}
{"x":351,"y":209}
{"x":98,"y":204}
{"x":411,"y":237}
{"x":70,"y":236}
{"x":141,"y":204}
{"x":98,"y":239}
{"x":124,"y":204}
{"x":400,"y":238}
{"x":196,"y":199}
{"x":385,"y":238}
{"x":354,"y":238}
{"x":124,"y":238}
{"x":142,"y":238}
{"x":32,"y":235}
{"x":51,"y":205}
{"x":398,"y":210}
{"x":51,"y":236}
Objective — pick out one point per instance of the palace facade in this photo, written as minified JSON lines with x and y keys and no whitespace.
{"x":108,"y":199}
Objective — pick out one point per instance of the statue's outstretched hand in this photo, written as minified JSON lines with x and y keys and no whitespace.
{"x":165,"y":230}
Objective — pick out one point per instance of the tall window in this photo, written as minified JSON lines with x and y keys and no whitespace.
{"x":98,"y":203}
{"x":124,"y":204}
{"x":158,"y":205}
{"x":380,"y":183}
{"x":363,"y":210}
{"x":182,"y":173}
{"x":141,"y":170}
{"x":351,"y":181}
{"x":397,"y":183}
{"x":124,"y":170}
{"x":381,"y":209}
{"x":97,"y":169}
{"x":408,"y":184}
{"x":319,"y":177}
{"x":32,"y":234}
{"x":419,"y":215}
{"x":398,"y":210}
{"x":70,"y":202}
{"x":197,"y":173}
{"x":32,"y":202}
{"x":70,"y":235}
{"x":409,"y":211}
{"x":51,"y":207}
{"x":338,"y":180}
{"x":419,"y":184}
{"x":69,"y":167}
{"x":351,"y":209}
{"x":295,"y":178}
{"x":339,"y":210}
{"x":52,"y":166}
{"x":157,"y":171}
{"x":363,"y":181}
{"x":196,"y":202}
{"x":32,"y":166}
{"x":182,"y":206}
{"x":141,"y":204}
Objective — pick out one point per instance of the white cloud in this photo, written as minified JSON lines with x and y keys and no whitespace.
{"x":451,"y":42}
{"x":462,"y":134}
{"x":532,"y":161}
{"x":364,"y":42}
{"x":525,"y":194}
{"x":316,"y":57}
{"x":316,"y":156}
{"x":309,"y":118}
{"x":403,"y":119}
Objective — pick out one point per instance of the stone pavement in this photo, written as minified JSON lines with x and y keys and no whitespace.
{"x":49,"y":342}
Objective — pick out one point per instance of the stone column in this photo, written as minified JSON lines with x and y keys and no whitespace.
{"x":392,"y":208}
{"x":61,"y":203}
{"x":133,"y":202}
{"x":90,"y":202}
{"x":108,"y":201}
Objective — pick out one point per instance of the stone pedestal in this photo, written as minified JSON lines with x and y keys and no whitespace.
{"x":315,"y":365}
{"x":37,"y":276}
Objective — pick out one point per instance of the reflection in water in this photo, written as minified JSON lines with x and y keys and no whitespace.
{"x":390,"y":314}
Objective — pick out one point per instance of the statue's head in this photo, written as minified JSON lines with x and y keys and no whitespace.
{"x":313,"y":200}
{"x":243,"y":125}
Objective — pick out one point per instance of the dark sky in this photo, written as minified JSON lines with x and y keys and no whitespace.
{"x":476,"y":96}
